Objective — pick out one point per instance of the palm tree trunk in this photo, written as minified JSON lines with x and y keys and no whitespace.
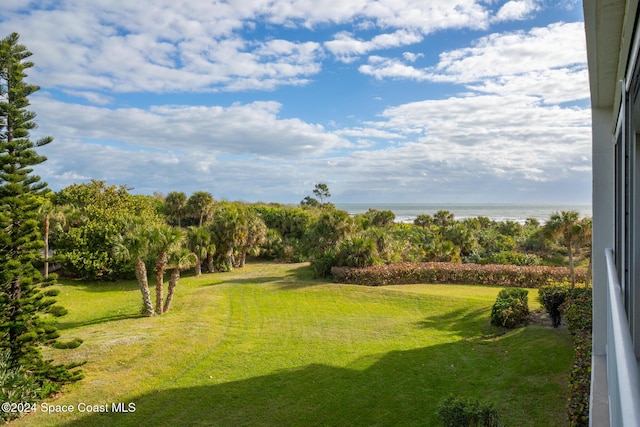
{"x":210,"y":267}
{"x":141,"y":275}
{"x":173,"y":281}
{"x":243,"y":257}
{"x":161,"y":265}
{"x":198,"y":266}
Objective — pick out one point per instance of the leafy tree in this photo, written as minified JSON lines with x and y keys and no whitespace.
{"x":200,"y":206}
{"x":253,"y":235}
{"x":163,"y":239}
{"x":461,"y":236}
{"x":310,"y":202}
{"x":200,"y":243}
{"x":176,"y":206}
{"x":49,"y":212}
{"x":376,"y":218}
{"x":357,"y":252}
{"x":321,"y":191}
{"x":443,"y":218}
{"x":331,"y":227}
{"x":324,"y":236}
{"x":569,"y":228}
{"x":101,"y":213}
{"x":226,"y":230}
{"x":23,"y":298}
{"x":178,"y":259}
{"x":133,"y":245}
{"x":423,"y":220}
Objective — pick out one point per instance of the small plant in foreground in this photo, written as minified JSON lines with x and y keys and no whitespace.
{"x":511,"y":308}
{"x":552,"y":297}
{"x":458,"y":412}
{"x":16,"y":387}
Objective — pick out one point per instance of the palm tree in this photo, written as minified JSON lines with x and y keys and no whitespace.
{"x":423,"y":220}
{"x":253,"y":235}
{"x":443,"y":218}
{"x":199,"y":242}
{"x":163,"y":239}
{"x":133,"y":245}
{"x":178,"y":260}
{"x":200,"y":206}
{"x":176,"y":204}
{"x":566,"y":224}
{"x":48,"y":212}
{"x":226,"y":232}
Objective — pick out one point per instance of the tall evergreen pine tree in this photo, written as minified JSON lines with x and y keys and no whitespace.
{"x":23,"y":297}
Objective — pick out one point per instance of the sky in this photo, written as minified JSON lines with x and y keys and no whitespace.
{"x":425,"y":101}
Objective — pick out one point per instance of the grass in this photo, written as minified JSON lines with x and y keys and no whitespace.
{"x":267,"y":345}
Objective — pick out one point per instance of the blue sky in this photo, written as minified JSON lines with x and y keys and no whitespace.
{"x":423,"y":101}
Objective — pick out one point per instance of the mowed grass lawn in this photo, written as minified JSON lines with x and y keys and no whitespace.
{"x":268,"y":345}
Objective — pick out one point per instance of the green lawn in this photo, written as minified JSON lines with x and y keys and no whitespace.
{"x":267,"y":345}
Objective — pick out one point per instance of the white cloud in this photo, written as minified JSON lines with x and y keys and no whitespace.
{"x":549,"y":62}
{"x":557,"y":45}
{"x":161,"y":45}
{"x":92,"y":97}
{"x":412,"y":57}
{"x":442,"y":148}
{"x":512,"y":129}
{"x":345,"y":47}
{"x":253,"y":129}
{"x":516,"y":10}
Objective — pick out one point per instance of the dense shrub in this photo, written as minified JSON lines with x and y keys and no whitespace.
{"x":511,"y":308}
{"x":357,"y":252}
{"x":16,"y":387}
{"x":552,"y":297}
{"x":322,"y":262}
{"x":443,"y":272}
{"x":577,"y":312}
{"x":457,"y":412}
{"x":514,"y":258}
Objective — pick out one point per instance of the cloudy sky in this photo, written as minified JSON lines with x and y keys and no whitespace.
{"x":384,"y":100}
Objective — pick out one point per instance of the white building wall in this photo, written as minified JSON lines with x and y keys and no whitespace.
{"x":603,"y":151}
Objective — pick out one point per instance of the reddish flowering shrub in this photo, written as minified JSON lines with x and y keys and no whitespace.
{"x":445,"y":272}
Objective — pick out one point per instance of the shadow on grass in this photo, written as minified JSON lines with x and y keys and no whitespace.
{"x":399,"y":388}
{"x":61,"y":325}
{"x":463,"y":325}
{"x":94,"y":286}
{"x":295,"y":277}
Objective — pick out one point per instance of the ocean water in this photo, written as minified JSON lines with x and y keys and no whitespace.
{"x":519,"y":212}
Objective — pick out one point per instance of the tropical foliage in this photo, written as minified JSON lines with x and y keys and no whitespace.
{"x":24,"y":297}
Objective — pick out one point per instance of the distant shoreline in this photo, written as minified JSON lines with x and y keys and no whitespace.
{"x":518,"y":212}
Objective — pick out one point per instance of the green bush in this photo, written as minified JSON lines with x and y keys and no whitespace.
{"x":357,"y":252}
{"x":511,"y":308}
{"x":458,"y":412}
{"x":321,"y":263}
{"x":17,"y":388}
{"x":447,"y":272}
{"x":552,"y":297}
{"x":577,"y":312}
{"x":74,"y":343}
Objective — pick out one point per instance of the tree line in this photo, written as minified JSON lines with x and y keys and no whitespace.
{"x":99,"y":232}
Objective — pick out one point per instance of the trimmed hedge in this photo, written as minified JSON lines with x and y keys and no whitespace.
{"x":446,"y":272}
{"x":577,"y":312}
